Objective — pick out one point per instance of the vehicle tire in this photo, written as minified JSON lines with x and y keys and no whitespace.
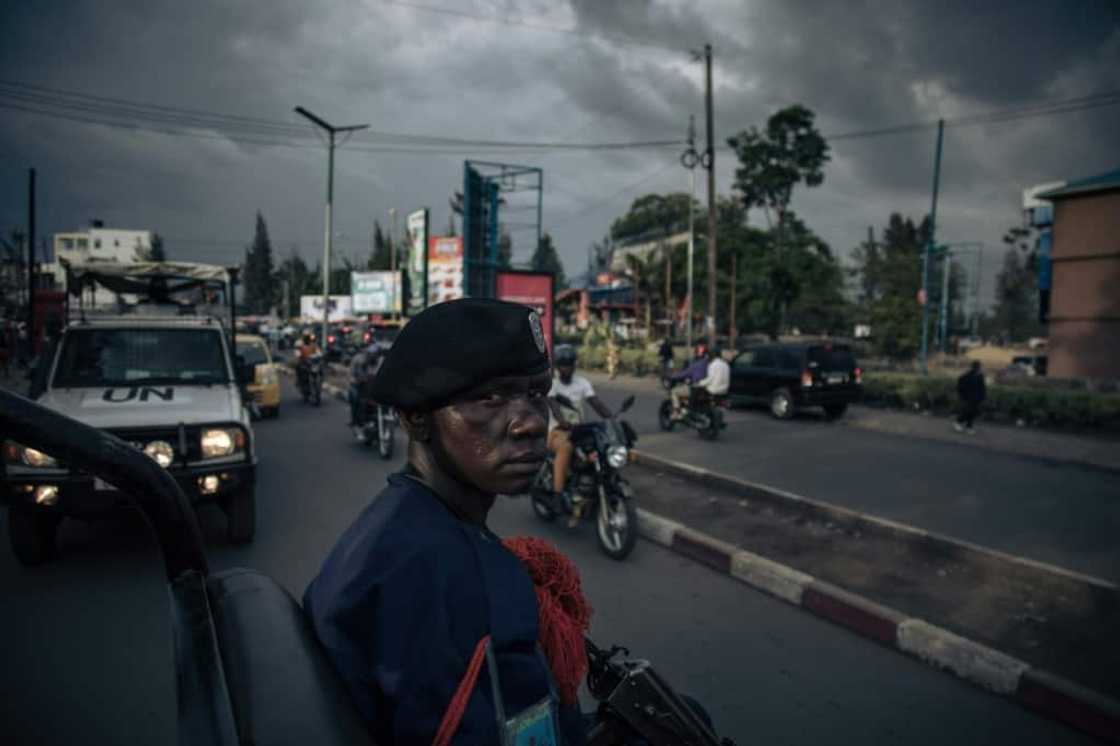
{"x":540,"y":494}
{"x":241,"y":516}
{"x":32,"y":533}
{"x":665,"y":416}
{"x":781,"y":404}
{"x":711,"y":432}
{"x":835,"y":411}
{"x":617,"y":529}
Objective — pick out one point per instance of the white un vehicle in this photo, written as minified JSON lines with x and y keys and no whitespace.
{"x":161,"y":374}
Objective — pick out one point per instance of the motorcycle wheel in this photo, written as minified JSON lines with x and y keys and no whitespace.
{"x":540,"y":496}
{"x":385,"y":441}
{"x":617,"y":526}
{"x":665,"y":416}
{"x":711,"y":428}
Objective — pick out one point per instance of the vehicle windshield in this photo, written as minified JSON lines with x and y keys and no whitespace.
{"x":834,"y":358}
{"x":126,"y":357}
{"x":253,"y":353}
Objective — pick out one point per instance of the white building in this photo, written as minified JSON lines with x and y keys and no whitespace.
{"x":97,"y":245}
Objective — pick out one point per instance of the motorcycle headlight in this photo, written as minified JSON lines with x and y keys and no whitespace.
{"x":617,"y":456}
{"x":218,"y":442}
{"x":161,"y":452}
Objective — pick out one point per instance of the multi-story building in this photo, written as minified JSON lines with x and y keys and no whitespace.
{"x":96,"y":245}
{"x":1084,"y":311}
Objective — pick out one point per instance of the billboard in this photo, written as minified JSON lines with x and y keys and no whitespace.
{"x":532,"y":289}
{"x":417,"y":224}
{"x":445,"y":268}
{"x":311,"y":308}
{"x":375,"y":292}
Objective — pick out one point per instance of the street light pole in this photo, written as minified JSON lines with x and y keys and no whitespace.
{"x":332,"y":131}
{"x":393,"y":261}
{"x":929,"y":249}
{"x":709,"y":162}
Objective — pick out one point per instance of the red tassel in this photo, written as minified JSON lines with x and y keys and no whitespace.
{"x":563,"y":610}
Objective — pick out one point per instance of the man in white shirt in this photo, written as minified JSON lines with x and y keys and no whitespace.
{"x":718,"y":380}
{"x":577,"y":390}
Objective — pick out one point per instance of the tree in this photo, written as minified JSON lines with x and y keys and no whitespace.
{"x":790,"y":152}
{"x":644,"y":272}
{"x":602,"y":253}
{"x":157,"y":252}
{"x":295,"y":280}
{"x":505,"y":249}
{"x":890,"y":273}
{"x":257,"y":274}
{"x":382,"y":249}
{"x":1016,"y":309}
{"x":545,"y":259}
{"x":652,"y":216}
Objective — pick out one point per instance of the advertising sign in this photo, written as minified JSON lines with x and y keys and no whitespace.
{"x":532,"y":289}
{"x":311,"y":308}
{"x":417,"y":225}
{"x":445,"y":268}
{"x":375,"y":292}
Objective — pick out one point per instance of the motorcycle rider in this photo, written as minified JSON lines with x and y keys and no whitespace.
{"x":578,"y":390}
{"x":717,"y":381}
{"x":419,"y":584}
{"x":305,"y":350}
{"x":363,"y":367}
{"x":687,"y":378}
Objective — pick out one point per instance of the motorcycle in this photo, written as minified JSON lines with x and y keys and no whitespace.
{"x":376,"y":427}
{"x":311,"y":380}
{"x":703,"y":412}
{"x":280,"y":666}
{"x":600,"y":451}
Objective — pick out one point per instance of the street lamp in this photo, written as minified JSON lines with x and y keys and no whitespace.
{"x":331,"y":132}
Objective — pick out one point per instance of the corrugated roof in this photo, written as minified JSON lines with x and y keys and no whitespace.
{"x":1099,"y":183}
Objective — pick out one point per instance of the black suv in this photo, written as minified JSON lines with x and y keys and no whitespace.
{"x":788,"y":377}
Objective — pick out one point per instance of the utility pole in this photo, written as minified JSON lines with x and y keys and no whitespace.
{"x":668,"y":288}
{"x":393,"y":261}
{"x":331,"y":133}
{"x":709,"y":162}
{"x":929,"y":249}
{"x":30,"y":262}
{"x":943,"y":326}
{"x":731,"y":330}
{"x":690,"y":159}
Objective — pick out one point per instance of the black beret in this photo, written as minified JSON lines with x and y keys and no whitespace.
{"x":454,"y":346}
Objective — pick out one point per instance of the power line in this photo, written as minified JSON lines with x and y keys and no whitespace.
{"x":505,"y":21}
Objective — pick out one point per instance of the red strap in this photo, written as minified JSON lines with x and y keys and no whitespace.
{"x":454,"y":714}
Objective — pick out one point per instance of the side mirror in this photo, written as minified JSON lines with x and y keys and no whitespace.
{"x":626,"y":403}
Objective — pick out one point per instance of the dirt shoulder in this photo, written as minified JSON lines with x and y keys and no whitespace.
{"x":1052,"y":621}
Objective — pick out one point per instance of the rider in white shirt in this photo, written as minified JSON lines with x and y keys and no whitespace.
{"x":718,"y":380}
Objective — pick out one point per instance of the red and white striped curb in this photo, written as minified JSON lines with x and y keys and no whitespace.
{"x":998,"y":672}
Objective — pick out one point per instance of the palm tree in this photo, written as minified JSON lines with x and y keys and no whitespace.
{"x":644,"y":272}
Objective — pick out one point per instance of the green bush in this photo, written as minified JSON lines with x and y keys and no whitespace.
{"x":1060,"y":408}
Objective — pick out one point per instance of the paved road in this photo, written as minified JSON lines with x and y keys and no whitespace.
{"x":1063,"y":514}
{"x":86,"y":650}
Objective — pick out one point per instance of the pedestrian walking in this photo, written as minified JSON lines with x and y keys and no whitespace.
{"x":665,"y":353}
{"x":971,"y":390}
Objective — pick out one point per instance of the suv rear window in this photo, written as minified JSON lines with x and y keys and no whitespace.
{"x":838,"y":357}
{"x":129,"y":357}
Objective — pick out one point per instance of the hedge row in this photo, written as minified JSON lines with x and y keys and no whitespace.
{"x":1052,"y":408}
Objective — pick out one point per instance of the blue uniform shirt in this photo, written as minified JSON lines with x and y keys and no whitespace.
{"x":400,"y":604}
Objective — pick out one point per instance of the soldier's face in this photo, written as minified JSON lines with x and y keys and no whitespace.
{"x":493,"y":436}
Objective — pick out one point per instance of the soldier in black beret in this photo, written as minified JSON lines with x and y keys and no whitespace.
{"x":412,"y":587}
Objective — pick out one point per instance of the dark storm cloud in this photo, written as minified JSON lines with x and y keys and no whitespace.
{"x":622,"y":72}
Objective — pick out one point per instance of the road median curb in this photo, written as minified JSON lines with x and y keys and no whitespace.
{"x":1039,"y":690}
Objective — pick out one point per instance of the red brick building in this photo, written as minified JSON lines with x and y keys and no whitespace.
{"x":1085,"y":294}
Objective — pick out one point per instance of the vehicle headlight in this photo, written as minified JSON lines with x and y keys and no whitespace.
{"x":616,"y":456}
{"x":161,"y":452}
{"x":14,"y":453}
{"x":219,"y":442}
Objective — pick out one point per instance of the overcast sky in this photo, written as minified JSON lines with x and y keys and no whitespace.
{"x":577,"y":71}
